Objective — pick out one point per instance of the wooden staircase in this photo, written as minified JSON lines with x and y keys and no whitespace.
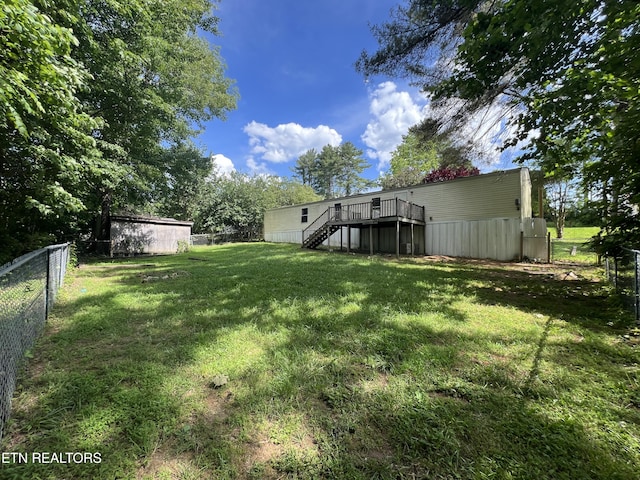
{"x":315,"y":239}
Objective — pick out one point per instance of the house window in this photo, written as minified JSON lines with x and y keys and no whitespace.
{"x":375,"y":202}
{"x":305,"y":215}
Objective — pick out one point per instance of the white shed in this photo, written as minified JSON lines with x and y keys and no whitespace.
{"x":133,"y":234}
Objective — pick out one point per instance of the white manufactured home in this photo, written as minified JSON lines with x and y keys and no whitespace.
{"x":483,"y":216}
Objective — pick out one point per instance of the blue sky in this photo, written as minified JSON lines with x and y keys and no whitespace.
{"x":293,"y":63}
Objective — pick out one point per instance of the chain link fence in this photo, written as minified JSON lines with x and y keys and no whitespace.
{"x":624,"y":272}
{"x":28,"y":288}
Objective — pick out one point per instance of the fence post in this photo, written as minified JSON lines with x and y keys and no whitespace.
{"x":47,"y":283}
{"x":548,"y":247}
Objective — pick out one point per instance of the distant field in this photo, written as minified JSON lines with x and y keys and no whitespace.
{"x":573,"y":236}
{"x":577,"y":233}
{"x":263,"y":361}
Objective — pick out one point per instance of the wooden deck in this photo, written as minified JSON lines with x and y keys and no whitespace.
{"x":368,"y":213}
{"x":393,"y":211}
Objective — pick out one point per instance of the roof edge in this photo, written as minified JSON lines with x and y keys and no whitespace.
{"x":149,"y":219}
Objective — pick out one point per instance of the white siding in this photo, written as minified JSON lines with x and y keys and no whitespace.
{"x":472,"y":198}
{"x":131,"y":237}
{"x":293,"y":236}
{"x":478,"y":217}
{"x":480,"y":197}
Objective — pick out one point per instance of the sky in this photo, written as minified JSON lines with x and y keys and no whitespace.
{"x":293,"y":64}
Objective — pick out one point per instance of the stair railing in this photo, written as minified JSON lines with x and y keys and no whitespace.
{"x":316,"y":225}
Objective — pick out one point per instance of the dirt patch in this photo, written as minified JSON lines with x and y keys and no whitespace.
{"x":167,"y":276}
{"x":450,"y":394}
{"x":218,"y":405}
{"x":260,"y":454}
{"x":166,"y":463}
{"x":581,"y":271}
{"x":85,"y":266}
{"x":379,"y":383}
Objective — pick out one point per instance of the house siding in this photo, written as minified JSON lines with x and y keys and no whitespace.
{"x":479,"y":217}
{"x":479,"y":197}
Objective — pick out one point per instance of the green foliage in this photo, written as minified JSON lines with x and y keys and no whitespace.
{"x":97,"y":100}
{"x":183,"y":246}
{"x":410,"y":162}
{"x":154,"y":79}
{"x":236,"y":202}
{"x":336,"y":366}
{"x":47,"y":150}
{"x":177,"y":187}
{"x":566,"y":71}
{"x":334,"y":172}
{"x":422,"y":151}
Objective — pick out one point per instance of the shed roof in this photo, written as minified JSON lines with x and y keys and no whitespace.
{"x":150,"y":219}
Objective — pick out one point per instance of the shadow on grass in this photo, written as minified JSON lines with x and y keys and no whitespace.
{"x":338,"y":367}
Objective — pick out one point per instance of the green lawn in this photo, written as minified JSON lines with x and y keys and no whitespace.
{"x":267,"y":361}
{"x":573,"y":237}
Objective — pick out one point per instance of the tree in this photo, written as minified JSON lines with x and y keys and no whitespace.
{"x":334,"y":171}
{"x":410,"y":162}
{"x":444,"y":173}
{"x":178,"y":188}
{"x":154,"y":78}
{"x":236,"y":203}
{"x":98,"y":99}
{"x":305,"y":166}
{"x":558,"y":193}
{"x":351,"y":165}
{"x":561,"y":68}
{"x":281,"y":192}
{"x":47,"y":150}
{"x":423,"y":149}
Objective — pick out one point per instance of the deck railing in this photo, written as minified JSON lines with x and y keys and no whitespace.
{"x":394,"y":207}
{"x":356,"y":212}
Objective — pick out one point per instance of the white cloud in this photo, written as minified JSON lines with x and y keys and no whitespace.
{"x":256,"y":168}
{"x":393,"y":112}
{"x":288,"y":141}
{"x":224,"y":165}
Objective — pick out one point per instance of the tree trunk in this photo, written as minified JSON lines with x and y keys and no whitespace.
{"x":102,"y":231}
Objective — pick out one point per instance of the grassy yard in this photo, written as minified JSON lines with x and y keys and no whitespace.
{"x":573,"y":237}
{"x":266,"y":361}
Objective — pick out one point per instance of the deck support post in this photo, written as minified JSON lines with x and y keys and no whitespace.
{"x":397,"y":238}
{"x":341,"y":239}
{"x":425,"y":238}
{"x":412,"y":240}
{"x":371,"y":239}
{"x":348,"y":239}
